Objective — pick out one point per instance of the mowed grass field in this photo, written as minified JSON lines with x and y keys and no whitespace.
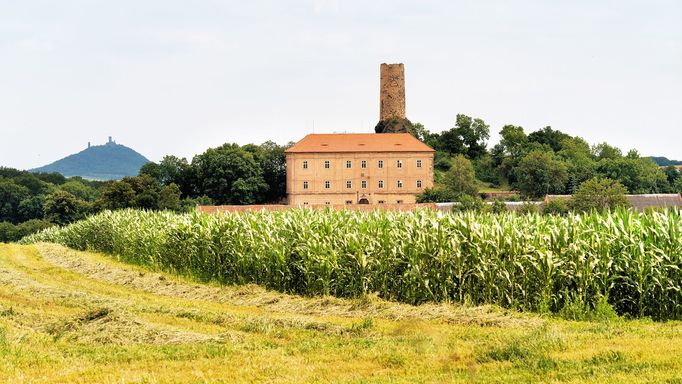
{"x":78,"y":317}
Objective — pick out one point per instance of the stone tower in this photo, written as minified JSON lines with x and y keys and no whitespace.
{"x":392,"y":92}
{"x":392,"y":98}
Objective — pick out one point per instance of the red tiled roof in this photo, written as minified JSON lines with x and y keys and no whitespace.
{"x":359,"y":142}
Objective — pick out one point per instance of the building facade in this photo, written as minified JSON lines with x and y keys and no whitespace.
{"x":336,"y":169}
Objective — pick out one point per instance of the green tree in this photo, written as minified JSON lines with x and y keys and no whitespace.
{"x":52,"y":178}
{"x":558,"y":207}
{"x":437,"y":194}
{"x":146,"y":191}
{"x":11,"y":195}
{"x":576,"y":154}
{"x":32,"y":208}
{"x":467,"y":137}
{"x":421,"y":133}
{"x":271,"y":159}
{"x":30,"y":227}
{"x":8,"y":232}
{"x":604,"y":151}
{"x":677,"y":187}
{"x":599,"y":194}
{"x":638,"y":175}
{"x":460,"y":178}
{"x":62,"y":208}
{"x":169,"y":197}
{"x":80,"y":190}
{"x":117,"y":195}
{"x":34,"y":185}
{"x":671,"y":174}
{"x":540,"y":174}
{"x":550,"y":137}
{"x":513,"y":140}
{"x":152,"y":170}
{"x":475,"y":134}
{"x":468,"y":203}
{"x":486,"y":170}
{"x":229,"y":175}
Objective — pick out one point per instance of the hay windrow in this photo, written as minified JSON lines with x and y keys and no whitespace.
{"x":255,"y":296}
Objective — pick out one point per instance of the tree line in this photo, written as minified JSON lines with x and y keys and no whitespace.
{"x":228,"y":174}
{"x":543,"y":162}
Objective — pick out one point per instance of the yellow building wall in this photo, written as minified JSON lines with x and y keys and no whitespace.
{"x":338,"y":175}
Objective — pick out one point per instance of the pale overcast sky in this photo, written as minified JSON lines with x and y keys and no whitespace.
{"x":178,"y":77}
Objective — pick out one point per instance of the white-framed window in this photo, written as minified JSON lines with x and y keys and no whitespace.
{"x":327,"y":164}
{"x":349,"y":164}
{"x":399,"y":163}
{"x":380,"y":163}
{"x":363,"y":164}
{"x":349,"y":184}
{"x":305,"y":185}
{"x":381,"y":183}
{"x":305,"y":164}
{"x":400,"y":183}
{"x":327,"y":184}
{"x":364,"y":183}
{"x":419,"y":183}
{"x":419,"y":163}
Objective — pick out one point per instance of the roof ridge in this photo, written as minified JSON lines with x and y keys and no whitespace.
{"x":359,"y":142}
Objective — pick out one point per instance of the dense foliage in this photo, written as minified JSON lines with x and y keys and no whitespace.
{"x":543,"y":162}
{"x":229,"y":174}
{"x":530,"y":262}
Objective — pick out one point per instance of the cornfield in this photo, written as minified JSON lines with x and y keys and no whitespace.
{"x":527,"y":262}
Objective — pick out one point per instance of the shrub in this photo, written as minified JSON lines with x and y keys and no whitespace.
{"x":468,"y":203}
{"x":555,"y":207}
{"x":600,"y":195}
{"x":528,"y":208}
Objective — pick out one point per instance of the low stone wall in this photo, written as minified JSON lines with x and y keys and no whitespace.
{"x":349,"y":207}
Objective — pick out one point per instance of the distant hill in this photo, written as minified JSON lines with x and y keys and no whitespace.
{"x":664,"y":161}
{"x":99,"y":162}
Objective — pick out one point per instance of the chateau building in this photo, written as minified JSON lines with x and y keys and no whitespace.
{"x":374,"y":168}
{"x":387,"y":167}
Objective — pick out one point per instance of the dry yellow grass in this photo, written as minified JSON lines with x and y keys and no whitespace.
{"x":77,"y":317}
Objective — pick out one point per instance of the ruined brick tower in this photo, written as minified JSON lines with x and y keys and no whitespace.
{"x":392,"y":91}
{"x":392,"y":98}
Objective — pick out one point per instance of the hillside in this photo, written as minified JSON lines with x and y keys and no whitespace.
{"x":68,"y":316}
{"x":110,"y":161}
{"x":664,"y":161}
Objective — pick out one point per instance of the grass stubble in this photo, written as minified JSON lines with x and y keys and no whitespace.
{"x":81,"y":317}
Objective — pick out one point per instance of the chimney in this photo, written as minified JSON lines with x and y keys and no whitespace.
{"x":392,"y":92}
{"x":88,"y":144}
{"x":110,"y":140}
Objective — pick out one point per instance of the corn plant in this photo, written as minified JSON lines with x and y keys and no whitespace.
{"x":529,"y":262}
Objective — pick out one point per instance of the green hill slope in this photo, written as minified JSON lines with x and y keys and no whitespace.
{"x":100,"y":162}
{"x":664,"y":161}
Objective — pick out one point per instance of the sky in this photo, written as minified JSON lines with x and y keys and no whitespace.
{"x":178,"y":77}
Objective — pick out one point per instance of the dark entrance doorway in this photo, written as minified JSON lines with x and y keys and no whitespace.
{"x":363,"y":201}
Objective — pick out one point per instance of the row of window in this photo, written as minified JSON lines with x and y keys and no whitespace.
{"x":363,"y":184}
{"x":363,"y":164}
